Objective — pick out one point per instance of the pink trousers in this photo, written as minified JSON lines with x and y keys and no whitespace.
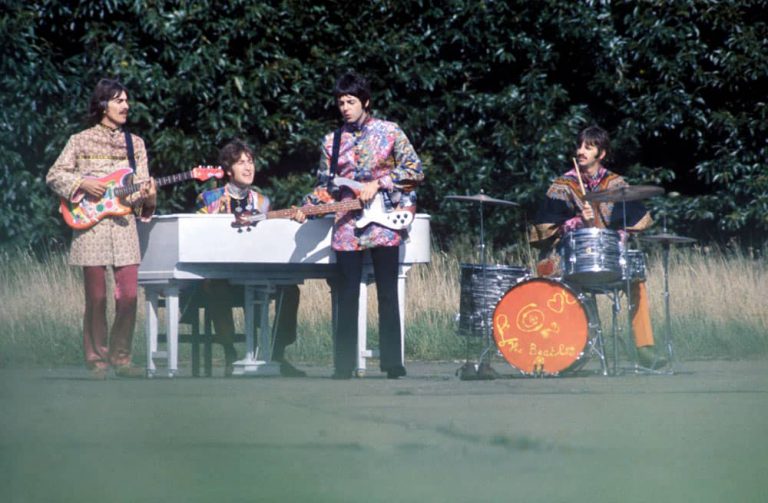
{"x":114,"y":348}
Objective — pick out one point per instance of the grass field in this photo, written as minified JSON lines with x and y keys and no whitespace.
{"x":697,"y":436}
{"x":717,"y":303}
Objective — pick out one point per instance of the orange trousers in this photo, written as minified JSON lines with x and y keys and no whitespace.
{"x":641,"y":315}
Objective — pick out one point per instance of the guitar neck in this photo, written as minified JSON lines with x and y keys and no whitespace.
{"x":320,"y":209}
{"x":165,"y":180}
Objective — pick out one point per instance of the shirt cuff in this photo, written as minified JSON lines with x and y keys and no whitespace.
{"x":573,"y":224}
{"x":385,"y":182}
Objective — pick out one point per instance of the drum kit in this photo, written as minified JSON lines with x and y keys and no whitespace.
{"x":548,"y":326}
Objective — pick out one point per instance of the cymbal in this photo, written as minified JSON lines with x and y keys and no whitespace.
{"x":665,"y":238}
{"x":630,"y":193}
{"x":483,"y":199}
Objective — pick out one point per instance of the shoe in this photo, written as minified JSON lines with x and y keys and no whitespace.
{"x":130,"y":372}
{"x":467,"y":372}
{"x":288,"y":370}
{"x":230,"y":357}
{"x":341,"y":375}
{"x":396,"y":372}
{"x":486,"y":373}
{"x":646,"y":357}
{"x":98,"y":373}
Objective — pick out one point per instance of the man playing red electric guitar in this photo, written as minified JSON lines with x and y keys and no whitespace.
{"x":94,"y":153}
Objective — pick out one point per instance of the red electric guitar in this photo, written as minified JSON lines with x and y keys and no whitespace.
{"x":85,"y":212}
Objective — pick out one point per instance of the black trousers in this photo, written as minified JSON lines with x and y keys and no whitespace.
{"x":350,"y":269}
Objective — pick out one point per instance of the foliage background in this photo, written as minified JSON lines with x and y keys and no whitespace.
{"x":491,"y":93}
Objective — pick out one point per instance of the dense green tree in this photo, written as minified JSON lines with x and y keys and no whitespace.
{"x":491,"y":93}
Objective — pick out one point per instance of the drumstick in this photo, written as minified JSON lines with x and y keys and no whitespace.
{"x":578,"y":175}
{"x":591,"y":223}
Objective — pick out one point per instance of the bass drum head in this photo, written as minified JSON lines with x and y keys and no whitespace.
{"x":541,"y":327}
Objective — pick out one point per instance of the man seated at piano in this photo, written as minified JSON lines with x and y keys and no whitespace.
{"x":237,"y":196}
{"x":378,"y":157}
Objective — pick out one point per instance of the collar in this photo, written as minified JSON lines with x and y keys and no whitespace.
{"x":108,"y":129}
{"x":237,"y":192}
{"x":355,"y":127}
{"x":590,"y":180}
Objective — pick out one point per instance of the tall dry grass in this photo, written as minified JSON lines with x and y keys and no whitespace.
{"x":717,"y":305}
{"x":717,"y":302}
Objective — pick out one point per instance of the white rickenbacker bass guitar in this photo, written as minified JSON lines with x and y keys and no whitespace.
{"x":374,"y":211}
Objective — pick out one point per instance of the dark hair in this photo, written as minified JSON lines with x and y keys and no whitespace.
{"x":106,"y":89}
{"x":231,"y":153}
{"x":595,"y":136}
{"x":353,"y":84}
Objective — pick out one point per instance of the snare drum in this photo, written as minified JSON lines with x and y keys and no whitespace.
{"x":541,"y":326}
{"x":480,"y":294}
{"x":591,"y":256}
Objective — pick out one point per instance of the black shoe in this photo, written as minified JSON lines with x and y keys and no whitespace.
{"x":230,"y":357}
{"x":288,"y":370}
{"x":341,"y":375}
{"x":396,"y":372}
{"x":647,"y":357}
{"x":486,"y":373}
{"x":467,"y":372}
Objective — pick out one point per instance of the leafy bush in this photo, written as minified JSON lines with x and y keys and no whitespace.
{"x":491,"y":93}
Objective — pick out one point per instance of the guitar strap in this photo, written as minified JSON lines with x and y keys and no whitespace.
{"x":332,"y":189}
{"x":129,"y":148}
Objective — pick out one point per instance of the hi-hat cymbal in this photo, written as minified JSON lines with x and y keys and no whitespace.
{"x":665,"y":238}
{"x":483,"y":199}
{"x":630,"y":193}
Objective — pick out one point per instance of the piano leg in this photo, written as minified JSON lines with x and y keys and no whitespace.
{"x":251,"y":365}
{"x":150,"y":328}
{"x":172,"y":321}
{"x":401,"y":305}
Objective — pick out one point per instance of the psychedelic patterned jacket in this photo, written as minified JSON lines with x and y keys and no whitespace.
{"x":221,"y":201}
{"x":379,"y":150}
{"x":561,"y":209}
{"x":97,"y":152}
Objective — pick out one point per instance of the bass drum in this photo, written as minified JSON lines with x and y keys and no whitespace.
{"x":541,"y":326}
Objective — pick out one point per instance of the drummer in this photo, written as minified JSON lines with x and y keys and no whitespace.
{"x":564,"y":209}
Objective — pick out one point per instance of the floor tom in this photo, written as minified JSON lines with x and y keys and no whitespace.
{"x":481,"y":291}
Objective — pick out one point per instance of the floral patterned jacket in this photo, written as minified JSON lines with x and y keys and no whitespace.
{"x":378,"y":150}
{"x":97,"y":152}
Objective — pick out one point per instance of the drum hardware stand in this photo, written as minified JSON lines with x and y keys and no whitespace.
{"x":667,"y":320}
{"x":487,"y":371}
{"x":628,"y":292}
{"x":613,"y":295}
{"x":483,"y":371}
{"x":597,"y":343}
{"x":666,"y":240}
{"x":631,"y":353}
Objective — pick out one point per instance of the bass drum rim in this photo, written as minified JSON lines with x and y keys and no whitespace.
{"x":581,"y":351}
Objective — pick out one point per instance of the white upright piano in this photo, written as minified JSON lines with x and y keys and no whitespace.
{"x":183,"y":248}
